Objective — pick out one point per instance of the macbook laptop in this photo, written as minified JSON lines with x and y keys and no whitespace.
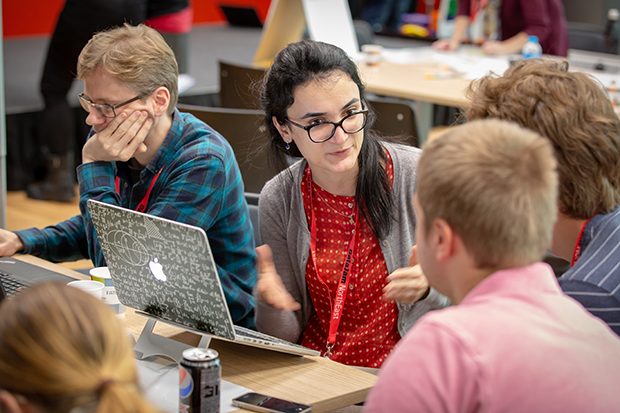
{"x":15,"y":274}
{"x":166,"y":269}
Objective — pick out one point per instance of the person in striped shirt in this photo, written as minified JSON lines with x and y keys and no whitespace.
{"x":572,"y":110}
{"x":143,"y":154}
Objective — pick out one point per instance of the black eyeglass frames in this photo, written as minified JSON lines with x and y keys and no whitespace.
{"x":104,"y":109}
{"x":324,"y":131}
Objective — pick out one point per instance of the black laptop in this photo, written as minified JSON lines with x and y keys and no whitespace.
{"x":15,"y":274}
{"x":241,"y":16}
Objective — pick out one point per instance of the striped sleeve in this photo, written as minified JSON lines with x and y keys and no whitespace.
{"x":602,"y":303}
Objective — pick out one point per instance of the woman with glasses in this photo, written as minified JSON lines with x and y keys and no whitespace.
{"x":339,"y":226}
{"x":62,"y":350}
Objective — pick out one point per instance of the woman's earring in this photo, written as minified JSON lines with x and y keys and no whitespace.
{"x":287,"y":146}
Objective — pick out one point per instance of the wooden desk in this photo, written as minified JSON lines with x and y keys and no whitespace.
{"x":322,"y":383}
{"x":412,"y":81}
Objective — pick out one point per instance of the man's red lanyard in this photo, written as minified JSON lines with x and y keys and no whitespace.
{"x":577,"y":250}
{"x":343,"y":285}
{"x":142,"y":204}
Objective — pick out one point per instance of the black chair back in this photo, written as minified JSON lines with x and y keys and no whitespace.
{"x":239,"y":85}
{"x":395,"y":118}
{"x":244,"y":130}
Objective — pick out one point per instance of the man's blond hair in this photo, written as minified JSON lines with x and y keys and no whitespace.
{"x":573,"y":111}
{"x":138,"y":56}
{"x":495,"y":184}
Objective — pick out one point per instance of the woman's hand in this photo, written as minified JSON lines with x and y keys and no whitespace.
{"x":269,"y":286}
{"x":407,"y":285}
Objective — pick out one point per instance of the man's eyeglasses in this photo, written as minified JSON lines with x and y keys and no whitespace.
{"x":324,"y":131}
{"x":104,"y":109}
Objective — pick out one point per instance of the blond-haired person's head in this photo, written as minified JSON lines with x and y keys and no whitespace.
{"x":137,"y":56}
{"x":493,"y":185}
{"x":574,"y":112}
{"x":62,"y":349}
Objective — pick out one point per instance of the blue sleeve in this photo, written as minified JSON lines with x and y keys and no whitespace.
{"x":596,"y":300}
{"x":65,"y":241}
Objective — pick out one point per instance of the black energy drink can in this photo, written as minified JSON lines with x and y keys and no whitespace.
{"x":199,"y":381}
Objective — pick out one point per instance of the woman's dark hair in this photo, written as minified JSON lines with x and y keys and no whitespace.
{"x":304,"y":61}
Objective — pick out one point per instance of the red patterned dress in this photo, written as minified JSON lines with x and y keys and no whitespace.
{"x":368,"y":328}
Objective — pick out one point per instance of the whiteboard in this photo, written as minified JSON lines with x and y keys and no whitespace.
{"x":327,"y":21}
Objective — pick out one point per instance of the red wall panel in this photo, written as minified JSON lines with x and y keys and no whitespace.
{"x":37,"y":17}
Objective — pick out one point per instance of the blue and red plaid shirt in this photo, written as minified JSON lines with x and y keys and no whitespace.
{"x":200,"y":184}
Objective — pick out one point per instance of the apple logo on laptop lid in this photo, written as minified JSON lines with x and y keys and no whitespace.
{"x":157,"y":270}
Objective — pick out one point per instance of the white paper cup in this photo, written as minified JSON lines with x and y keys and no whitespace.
{"x":372,"y":54}
{"x":102,"y":274}
{"x":92,"y":287}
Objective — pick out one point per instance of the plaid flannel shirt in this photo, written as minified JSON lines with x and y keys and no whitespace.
{"x":200,"y":184}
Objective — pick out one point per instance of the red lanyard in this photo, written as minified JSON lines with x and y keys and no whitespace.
{"x":343,"y":284}
{"x":577,"y":250}
{"x":144,"y":202}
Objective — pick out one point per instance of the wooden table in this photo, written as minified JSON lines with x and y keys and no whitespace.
{"x":322,"y":383}
{"x":415,"y":82}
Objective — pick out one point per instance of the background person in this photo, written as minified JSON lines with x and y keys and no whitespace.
{"x":144,"y":154}
{"x":486,"y":203}
{"x":516,"y":19}
{"x":62,"y":350}
{"x":339,"y":223}
{"x":77,"y":22}
{"x":573,"y":111}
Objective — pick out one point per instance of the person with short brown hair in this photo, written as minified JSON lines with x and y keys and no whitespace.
{"x":62,"y":350}
{"x":144,"y":154}
{"x":574,"y":113}
{"x":485,"y":205}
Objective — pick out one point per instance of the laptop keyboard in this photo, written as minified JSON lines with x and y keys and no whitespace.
{"x":264,"y":338}
{"x":10,"y":284}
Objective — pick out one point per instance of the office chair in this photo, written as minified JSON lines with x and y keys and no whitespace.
{"x":252,"y":200}
{"x":239,"y":85}
{"x":395,"y":118}
{"x":242,"y":128}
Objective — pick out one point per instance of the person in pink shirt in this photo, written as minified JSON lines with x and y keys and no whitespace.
{"x":485,"y":204}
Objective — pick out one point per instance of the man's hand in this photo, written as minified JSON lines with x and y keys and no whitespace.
{"x":407,"y":285}
{"x":269,"y":285}
{"x":120,"y":140}
{"x":10,"y":243}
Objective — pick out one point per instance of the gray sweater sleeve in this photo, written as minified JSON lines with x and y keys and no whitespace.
{"x":274,"y":215}
{"x":397,"y":245}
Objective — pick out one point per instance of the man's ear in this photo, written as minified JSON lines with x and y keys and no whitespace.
{"x":8,"y":403}
{"x":443,"y":237}
{"x":161,"y":100}
{"x":283,"y":129}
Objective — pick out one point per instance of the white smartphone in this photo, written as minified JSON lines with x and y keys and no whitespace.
{"x":262,"y":403}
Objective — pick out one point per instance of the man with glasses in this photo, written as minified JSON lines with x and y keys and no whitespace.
{"x":144,"y":154}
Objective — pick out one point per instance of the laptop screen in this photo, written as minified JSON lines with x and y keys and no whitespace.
{"x":163,"y":268}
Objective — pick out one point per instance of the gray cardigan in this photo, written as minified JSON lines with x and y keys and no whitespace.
{"x":283,"y":226}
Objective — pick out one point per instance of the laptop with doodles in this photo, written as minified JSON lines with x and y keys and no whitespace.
{"x":166,"y":269}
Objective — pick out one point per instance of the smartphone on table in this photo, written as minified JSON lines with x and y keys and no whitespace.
{"x":262,"y":403}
